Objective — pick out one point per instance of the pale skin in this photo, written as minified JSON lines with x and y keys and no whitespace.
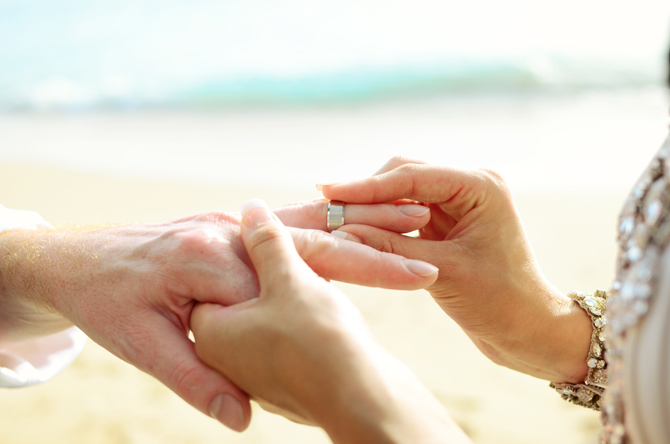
{"x":303,"y":350}
{"x":489,"y":281}
{"x":132,"y":288}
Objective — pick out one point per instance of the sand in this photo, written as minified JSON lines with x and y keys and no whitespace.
{"x":570,"y":162}
{"x":102,"y":400}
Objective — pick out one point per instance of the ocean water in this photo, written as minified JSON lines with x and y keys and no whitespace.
{"x":129,"y":54}
{"x":593,"y":142}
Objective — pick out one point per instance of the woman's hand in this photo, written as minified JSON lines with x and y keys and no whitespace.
{"x":351,"y":262}
{"x":303,"y":349}
{"x":489,"y":281}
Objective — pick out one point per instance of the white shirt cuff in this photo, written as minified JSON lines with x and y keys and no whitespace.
{"x":26,"y":220}
{"x":38,"y":360}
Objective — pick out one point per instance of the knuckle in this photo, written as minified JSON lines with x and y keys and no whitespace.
{"x":391,"y":245}
{"x":314,"y":244}
{"x":198,"y":241}
{"x":494,"y":179}
{"x":399,"y":160}
{"x":203,"y":234}
{"x":396,"y":161}
{"x":313,"y":211}
{"x":408,"y":167}
{"x":218,"y":218}
{"x":411,"y":172}
{"x":187,"y":378}
{"x":264,"y":235}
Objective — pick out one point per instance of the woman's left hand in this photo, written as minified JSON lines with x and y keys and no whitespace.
{"x":489,"y":281}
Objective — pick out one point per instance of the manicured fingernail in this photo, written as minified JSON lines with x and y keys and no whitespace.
{"x":347,"y":236}
{"x":253,"y":218}
{"x":228,"y":411}
{"x":413,"y":210}
{"x":319,"y":186}
{"x":420,"y":268}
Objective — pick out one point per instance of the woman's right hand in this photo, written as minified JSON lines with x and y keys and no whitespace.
{"x":489,"y":281}
{"x":303,"y":350}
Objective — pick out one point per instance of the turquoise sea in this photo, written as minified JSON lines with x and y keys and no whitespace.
{"x":128,"y":54}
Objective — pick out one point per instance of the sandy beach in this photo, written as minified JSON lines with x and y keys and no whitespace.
{"x":105,"y":401}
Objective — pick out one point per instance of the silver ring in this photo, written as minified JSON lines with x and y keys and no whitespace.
{"x":335,"y":217}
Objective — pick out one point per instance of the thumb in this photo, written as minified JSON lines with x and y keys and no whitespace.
{"x":269,"y":245}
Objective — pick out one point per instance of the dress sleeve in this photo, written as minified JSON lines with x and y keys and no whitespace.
{"x":646,"y":387}
{"x":32,"y":362}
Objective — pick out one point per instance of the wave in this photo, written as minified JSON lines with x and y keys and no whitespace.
{"x":350,"y":86}
{"x":117,"y":54}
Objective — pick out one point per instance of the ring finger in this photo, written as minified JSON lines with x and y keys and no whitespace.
{"x":399,"y":218}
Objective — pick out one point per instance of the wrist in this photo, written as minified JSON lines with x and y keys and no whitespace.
{"x":25,"y":309}
{"x":562,"y":338}
{"x":548,"y":337}
{"x":379,"y":400}
{"x":570,"y":340}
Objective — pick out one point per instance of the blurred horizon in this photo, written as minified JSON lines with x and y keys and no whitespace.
{"x":103,"y":55}
{"x":286,"y":93}
{"x":145,"y":110}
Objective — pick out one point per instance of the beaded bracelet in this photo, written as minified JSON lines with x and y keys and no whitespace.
{"x":589,"y":393}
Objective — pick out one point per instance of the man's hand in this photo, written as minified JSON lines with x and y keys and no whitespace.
{"x":132,"y":288}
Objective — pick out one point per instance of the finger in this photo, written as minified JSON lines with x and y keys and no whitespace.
{"x":338,"y":259}
{"x":396,"y":244}
{"x":313,"y":215}
{"x":458,"y":190}
{"x":395,"y":162}
{"x":225,"y":280}
{"x":222,"y":339}
{"x":269,"y":245}
{"x":223,"y":336}
{"x":171,"y":358}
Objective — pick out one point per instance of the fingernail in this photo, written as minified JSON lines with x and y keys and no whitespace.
{"x":256,"y":217}
{"x":347,"y":236}
{"x":340,"y":234}
{"x":228,"y":411}
{"x":319,"y":186}
{"x":420,"y":268}
{"x":413,"y":210}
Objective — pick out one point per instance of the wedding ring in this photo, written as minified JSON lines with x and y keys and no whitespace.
{"x":335,"y":217}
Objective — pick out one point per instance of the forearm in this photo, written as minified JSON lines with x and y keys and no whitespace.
{"x":35,"y":343}
{"x":34,"y":267}
{"x":381,"y":401}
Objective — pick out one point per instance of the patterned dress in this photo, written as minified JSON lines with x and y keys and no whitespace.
{"x":637,"y":353}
